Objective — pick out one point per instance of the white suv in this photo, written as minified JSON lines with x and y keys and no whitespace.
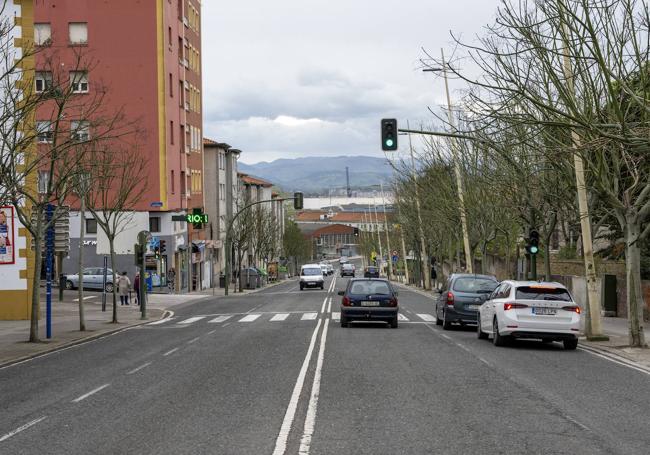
{"x":311,"y":276}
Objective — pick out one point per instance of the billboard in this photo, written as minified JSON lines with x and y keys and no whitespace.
{"x":7,"y":240}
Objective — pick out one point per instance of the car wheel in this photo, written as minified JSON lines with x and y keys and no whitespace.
{"x":69,"y":285}
{"x":446,"y":325}
{"x":497,"y":339}
{"x":438,"y":320}
{"x":570,"y":345}
{"x":393,"y":323}
{"x":479,"y":330}
{"x":322,"y":286}
{"x":109,"y":288}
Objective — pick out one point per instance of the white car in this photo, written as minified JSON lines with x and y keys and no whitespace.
{"x":343,"y":260}
{"x":311,"y":276}
{"x":530,"y":309}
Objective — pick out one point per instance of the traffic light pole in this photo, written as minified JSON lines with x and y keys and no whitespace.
{"x":142,"y":292}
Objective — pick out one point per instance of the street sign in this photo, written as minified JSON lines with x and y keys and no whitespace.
{"x":156,"y":204}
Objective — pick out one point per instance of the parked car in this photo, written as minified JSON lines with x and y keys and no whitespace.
{"x":461,"y":298}
{"x":530,"y":309}
{"x":371,"y":272}
{"x":347,"y":269}
{"x":369,"y":300}
{"x":311,"y":276}
{"x":93,"y":279}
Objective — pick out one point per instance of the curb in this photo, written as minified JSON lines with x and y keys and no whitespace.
{"x":615,"y":357}
{"x":416,"y":290}
{"x":79,"y":341}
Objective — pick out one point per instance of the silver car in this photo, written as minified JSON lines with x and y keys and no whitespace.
{"x":93,"y":279}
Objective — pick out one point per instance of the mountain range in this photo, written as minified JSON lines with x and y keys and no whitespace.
{"x":317,"y":174}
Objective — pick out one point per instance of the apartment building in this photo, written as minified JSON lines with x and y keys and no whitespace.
{"x":146,"y":56}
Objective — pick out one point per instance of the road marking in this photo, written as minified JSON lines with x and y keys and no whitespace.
{"x":336,"y":315}
{"x":170,"y":352}
{"x":309,"y":316}
{"x":250,"y":311}
{"x":287,"y":422}
{"x":193,"y":340}
{"x":446,"y":337}
{"x":92,"y":392}
{"x":484,"y":361}
{"x":211,"y":332}
{"x":191,"y":320}
{"x":409,"y":311}
{"x":161,"y":321}
{"x":401,"y":317}
{"x":426,"y":317}
{"x":86,"y":298}
{"x":310,"y":419}
{"x":22,"y":428}
{"x":226,"y":324}
{"x":139,"y":368}
{"x":249,"y":318}
{"x":280,"y":317}
{"x":322,"y":309}
{"x":613,"y":360}
{"x":220,"y":319}
{"x":329,"y":305}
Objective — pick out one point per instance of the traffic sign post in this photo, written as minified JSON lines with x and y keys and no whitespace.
{"x":104,"y":273}
{"x":49,"y":256}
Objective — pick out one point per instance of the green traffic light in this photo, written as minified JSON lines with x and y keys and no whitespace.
{"x":389,"y":142}
{"x":533,"y":250}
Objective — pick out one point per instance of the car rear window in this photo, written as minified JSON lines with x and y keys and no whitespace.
{"x":542,"y":293}
{"x":372,"y":269}
{"x":307,"y":272}
{"x":370,"y":287}
{"x":475,"y":285}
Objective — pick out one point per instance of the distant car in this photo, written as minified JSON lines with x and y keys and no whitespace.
{"x":93,"y":279}
{"x":371,"y":272}
{"x":327,"y":268}
{"x":530,"y":309}
{"x":343,"y":260}
{"x":311,"y":276}
{"x":369,"y":300}
{"x":461,"y":298}
{"x":330,"y":269}
{"x":347,"y":270}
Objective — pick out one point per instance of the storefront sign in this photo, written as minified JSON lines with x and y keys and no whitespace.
{"x":7,"y":255}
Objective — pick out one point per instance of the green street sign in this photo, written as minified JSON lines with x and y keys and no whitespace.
{"x":201,"y":218}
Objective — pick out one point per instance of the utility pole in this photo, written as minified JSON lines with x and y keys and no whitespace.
{"x":593,"y":326}
{"x":390,"y":258}
{"x":381,"y":253}
{"x":423,"y":245}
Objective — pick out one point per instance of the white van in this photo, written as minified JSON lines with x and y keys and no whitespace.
{"x":311,"y":276}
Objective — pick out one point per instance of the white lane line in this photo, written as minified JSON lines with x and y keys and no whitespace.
{"x":322,"y":308}
{"x":139,"y":368}
{"x":336,"y":315}
{"x":193,"y":340}
{"x":280,"y":317}
{"x":446,"y":337}
{"x":161,"y":321}
{"x":287,"y":422}
{"x":220,"y":319}
{"x":426,"y":317}
{"x":329,"y":305}
{"x":484,"y":361}
{"x":170,"y":352}
{"x":310,"y":419}
{"x":309,"y":316}
{"x":191,"y":320}
{"x":618,"y":362}
{"x":401,"y":317}
{"x":409,"y":311}
{"x":22,"y":428}
{"x":249,"y":318}
{"x":226,"y":324}
{"x":92,"y":392}
{"x":211,"y":332}
{"x":86,"y":298}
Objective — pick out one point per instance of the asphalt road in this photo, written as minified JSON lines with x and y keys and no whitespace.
{"x":274,"y":372}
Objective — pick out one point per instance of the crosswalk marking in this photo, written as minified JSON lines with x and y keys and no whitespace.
{"x":401,"y":317}
{"x":162,"y":321}
{"x":221,"y":318}
{"x":280,"y":317}
{"x":249,"y":318}
{"x":191,"y":320}
{"x":309,"y":316}
{"x":426,"y":317}
{"x":336,"y":315}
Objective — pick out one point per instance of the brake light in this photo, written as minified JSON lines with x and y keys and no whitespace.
{"x":513,"y":306}
{"x":450,"y":298}
{"x":393,"y":301}
{"x":346,"y":301}
{"x":575,"y":309}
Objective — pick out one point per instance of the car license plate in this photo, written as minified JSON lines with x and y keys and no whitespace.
{"x":369,"y":303}
{"x":473,"y":307}
{"x":545,"y":311}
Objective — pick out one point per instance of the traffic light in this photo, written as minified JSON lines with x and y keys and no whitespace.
{"x":389,"y":134}
{"x":163,"y":246}
{"x":156,"y":252}
{"x":533,"y":242}
{"x":298,"y":200}
{"x":138,"y":254}
{"x":356,"y":232}
{"x":198,"y":218}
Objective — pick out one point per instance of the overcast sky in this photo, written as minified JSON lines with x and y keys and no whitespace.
{"x":290,"y":78}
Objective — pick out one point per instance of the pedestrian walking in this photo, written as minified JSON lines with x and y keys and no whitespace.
{"x":123,"y":286}
{"x":171,"y":277}
{"x":136,"y":287}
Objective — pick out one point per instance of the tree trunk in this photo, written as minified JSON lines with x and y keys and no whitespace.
{"x":547,"y":246}
{"x":36,"y":286}
{"x":634,"y":293}
{"x":111,"y":242}
{"x":483,"y":257}
{"x":82,"y":227}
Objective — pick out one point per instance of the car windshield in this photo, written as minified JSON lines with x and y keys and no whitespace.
{"x":311,"y":271}
{"x":542,"y":293}
{"x":475,"y":285}
{"x":370,"y":287}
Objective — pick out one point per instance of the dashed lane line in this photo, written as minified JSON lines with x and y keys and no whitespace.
{"x":170,"y":352}
{"x":135,"y":370}
{"x":22,"y":428}
{"x":92,"y":392}
{"x":280,"y":317}
{"x":249,"y":318}
{"x":220,"y":319}
{"x":191,"y":320}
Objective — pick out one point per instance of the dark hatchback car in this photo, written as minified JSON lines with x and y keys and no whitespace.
{"x":461,"y":297}
{"x":369,"y":299}
{"x":371,"y":272}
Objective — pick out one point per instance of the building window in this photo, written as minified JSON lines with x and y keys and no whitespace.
{"x":171,"y":85}
{"x":171,"y":132}
{"x":91,"y":226}
{"x":169,"y":37}
{"x":43,"y":81}
{"x":154,"y":224}
{"x":80,"y":130}
{"x":79,"y":81}
{"x":78,"y":32}
{"x":44,"y":131}
{"x":183,"y":184}
{"x":222,"y":191}
{"x":173,"y":183}
{"x":42,"y":34}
